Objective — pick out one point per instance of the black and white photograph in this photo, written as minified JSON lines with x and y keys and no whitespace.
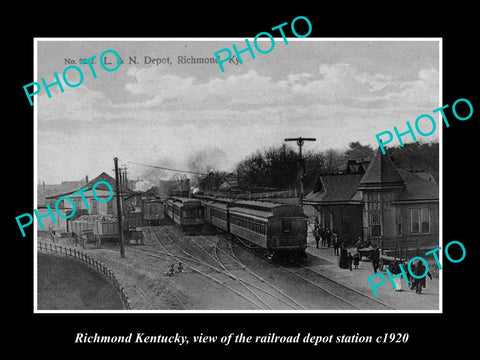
{"x":261,"y":187}
{"x":293,"y":182}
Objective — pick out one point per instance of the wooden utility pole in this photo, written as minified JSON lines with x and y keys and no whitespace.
{"x":119,"y":208}
{"x":300,"y":141}
{"x":125,"y":180}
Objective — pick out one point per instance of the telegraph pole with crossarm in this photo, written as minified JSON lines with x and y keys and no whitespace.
{"x":119,"y":207}
{"x":300,"y":142}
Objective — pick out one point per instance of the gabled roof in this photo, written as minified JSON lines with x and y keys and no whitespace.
{"x":346,"y":188}
{"x":102,"y":177}
{"x":381,"y":173}
{"x":335,"y":188}
{"x":107,"y":178}
{"x":417,"y":188}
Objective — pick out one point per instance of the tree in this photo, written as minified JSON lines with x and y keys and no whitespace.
{"x":357,"y":151}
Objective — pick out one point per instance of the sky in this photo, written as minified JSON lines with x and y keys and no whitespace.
{"x":192,"y":116}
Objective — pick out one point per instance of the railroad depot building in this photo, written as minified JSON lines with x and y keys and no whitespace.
{"x":392,"y":207}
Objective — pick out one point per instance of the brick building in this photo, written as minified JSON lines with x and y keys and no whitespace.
{"x":392,"y":207}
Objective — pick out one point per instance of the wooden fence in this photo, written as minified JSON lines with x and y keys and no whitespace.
{"x":93,"y":263}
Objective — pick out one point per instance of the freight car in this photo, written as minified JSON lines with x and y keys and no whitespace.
{"x":153,"y":212}
{"x":277,"y":228}
{"x":186,"y":212}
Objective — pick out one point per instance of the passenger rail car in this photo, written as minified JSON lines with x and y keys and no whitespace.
{"x":219,"y":215}
{"x":153,"y":212}
{"x":186,"y":212}
{"x":271,"y":226}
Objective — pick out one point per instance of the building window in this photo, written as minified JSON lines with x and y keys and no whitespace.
{"x":399,"y":223}
{"x":420,"y":220}
{"x":110,"y":207}
{"x":94,"y":206}
{"x":375,"y":227}
{"x":425,"y":221}
{"x":415,"y":221}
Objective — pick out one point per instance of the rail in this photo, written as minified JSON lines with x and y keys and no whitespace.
{"x":93,"y":263}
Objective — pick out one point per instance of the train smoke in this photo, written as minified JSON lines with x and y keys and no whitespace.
{"x":207,"y":159}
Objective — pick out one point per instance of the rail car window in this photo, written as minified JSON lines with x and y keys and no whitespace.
{"x":252,"y":225}
{"x":192,"y":213}
{"x":219,"y":214}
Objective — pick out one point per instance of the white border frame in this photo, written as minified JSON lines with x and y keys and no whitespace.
{"x":299,"y":312}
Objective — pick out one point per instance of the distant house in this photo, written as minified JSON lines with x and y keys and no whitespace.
{"x":230,"y":185}
{"x":390,"y":206}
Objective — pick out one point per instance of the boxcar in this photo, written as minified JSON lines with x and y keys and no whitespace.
{"x":153,"y":211}
{"x":269,"y":225}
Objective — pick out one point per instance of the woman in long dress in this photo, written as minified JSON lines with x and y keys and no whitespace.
{"x":395,"y":270}
{"x":343,"y":262}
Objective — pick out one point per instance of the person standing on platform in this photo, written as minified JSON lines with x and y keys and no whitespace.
{"x":375,"y":258}
{"x":356,"y":260}
{"x":420,"y":271}
{"x":394,"y":268}
{"x":349,"y":260}
{"x":335,"y":243}
{"x":328,"y":236}
{"x":343,"y":261}
{"x":316,"y":234}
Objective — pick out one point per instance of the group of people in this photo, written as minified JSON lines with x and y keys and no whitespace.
{"x":326,"y":236}
{"x":172,"y":271}
{"x":417,"y":268}
{"x":330,"y":238}
{"x":347,"y":259}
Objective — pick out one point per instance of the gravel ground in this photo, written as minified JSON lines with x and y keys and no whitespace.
{"x":149,"y":289}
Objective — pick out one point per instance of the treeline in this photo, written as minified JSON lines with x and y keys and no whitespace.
{"x":280,"y":168}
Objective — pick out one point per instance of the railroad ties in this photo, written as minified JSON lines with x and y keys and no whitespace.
{"x":277,"y":286}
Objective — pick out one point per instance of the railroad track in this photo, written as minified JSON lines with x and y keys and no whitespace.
{"x":209,"y":255}
{"x":346,"y":292}
{"x":198,"y":265}
{"x":231,"y":260}
{"x":353,"y":298}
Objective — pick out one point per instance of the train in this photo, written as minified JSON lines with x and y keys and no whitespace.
{"x":185,"y":212}
{"x":153,"y":212}
{"x":274,"y":227}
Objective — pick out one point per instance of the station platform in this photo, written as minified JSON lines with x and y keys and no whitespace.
{"x":325,"y":261}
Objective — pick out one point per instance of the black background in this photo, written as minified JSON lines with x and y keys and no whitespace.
{"x":428,"y":333}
